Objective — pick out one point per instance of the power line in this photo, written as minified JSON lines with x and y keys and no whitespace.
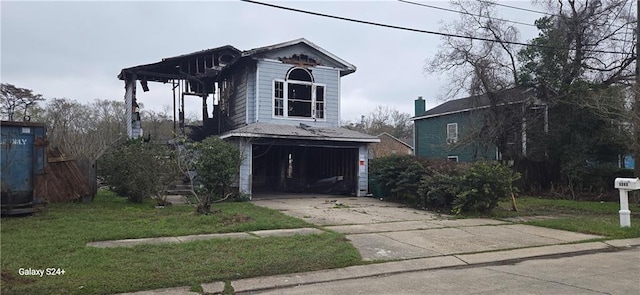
{"x":517,"y":8}
{"x":423,"y":31}
{"x":464,"y":12}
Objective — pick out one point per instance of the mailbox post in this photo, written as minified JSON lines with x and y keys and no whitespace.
{"x":625,"y":185}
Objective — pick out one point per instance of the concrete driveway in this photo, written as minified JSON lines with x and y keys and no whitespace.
{"x":388,"y":231}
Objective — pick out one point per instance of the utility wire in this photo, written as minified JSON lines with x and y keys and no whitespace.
{"x":464,"y":12}
{"x":423,"y":31}
{"x":517,"y":8}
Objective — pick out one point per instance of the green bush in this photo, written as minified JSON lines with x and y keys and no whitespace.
{"x":482,"y":186}
{"x":476,"y":189}
{"x":398,"y":177}
{"x":442,"y":185}
{"x":138,"y":170}
{"x":217,"y":164}
{"x":438,"y":191}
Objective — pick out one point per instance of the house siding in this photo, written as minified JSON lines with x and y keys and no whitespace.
{"x":244,"y":180}
{"x":251,"y":94}
{"x":238,"y":102}
{"x":269,"y":71}
{"x":431,"y":139}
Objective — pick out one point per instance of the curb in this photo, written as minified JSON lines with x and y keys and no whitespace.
{"x":247,"y":286}
{"x":258,"y":284}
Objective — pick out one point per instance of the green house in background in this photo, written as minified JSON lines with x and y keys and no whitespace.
{"x":454,"y":129}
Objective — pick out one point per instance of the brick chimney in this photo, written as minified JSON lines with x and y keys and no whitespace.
{"x":419,"y":107}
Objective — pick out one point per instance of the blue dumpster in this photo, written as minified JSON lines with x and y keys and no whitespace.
{"x":22,"y":159}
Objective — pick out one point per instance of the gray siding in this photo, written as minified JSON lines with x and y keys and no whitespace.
{"x":251,"y":94}
{"x":273,"y":70}
{"x":244,"y":181}
{"x":238,"y":105}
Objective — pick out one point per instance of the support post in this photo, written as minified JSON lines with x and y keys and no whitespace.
{"x":636,"y":102}
{"x":130,"y":88}
{"x":625,"y":214}
{"x":174,"y":86}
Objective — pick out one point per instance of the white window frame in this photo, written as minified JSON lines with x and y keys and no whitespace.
{"x":452,"y":158}
{"x":284,"y":98}
{"x":285,"y":88}
{"x":452,"y":137}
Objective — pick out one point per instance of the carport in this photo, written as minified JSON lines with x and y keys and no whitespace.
{"x":287,"y":166}
{"x":302,"y":159}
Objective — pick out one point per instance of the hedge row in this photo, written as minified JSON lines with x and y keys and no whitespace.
{"x":441,"y":185}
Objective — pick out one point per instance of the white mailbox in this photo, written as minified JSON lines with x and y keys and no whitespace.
{"x":629,"y":184}
{"x":624,"y":185}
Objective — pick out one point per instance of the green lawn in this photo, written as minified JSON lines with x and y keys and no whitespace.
{"x":600,"y":218}
{"x":57,"y":237}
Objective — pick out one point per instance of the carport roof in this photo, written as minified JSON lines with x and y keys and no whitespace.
{"x":302,"y":131}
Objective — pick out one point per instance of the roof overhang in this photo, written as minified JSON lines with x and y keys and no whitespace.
{"x":255,"y":135}
{"x":200,"y":65}
{"x":537,"y":102}
{"x":300,"y":132}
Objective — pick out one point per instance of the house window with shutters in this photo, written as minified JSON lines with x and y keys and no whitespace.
{"x":298,"y":96}
{"x":452,"y":133}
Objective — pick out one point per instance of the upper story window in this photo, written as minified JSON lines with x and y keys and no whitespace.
{"x":298,"y":96}
{"x":452,"y":133}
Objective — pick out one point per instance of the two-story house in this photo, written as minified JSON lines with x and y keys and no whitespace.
{"x":280,"y":104}
{"x":467,"y":129}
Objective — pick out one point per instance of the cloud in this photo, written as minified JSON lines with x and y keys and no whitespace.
{"x":76,"y":49}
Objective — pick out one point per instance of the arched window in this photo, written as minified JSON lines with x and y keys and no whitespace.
{"x":298,"y":95}
{"x":299,"y":74}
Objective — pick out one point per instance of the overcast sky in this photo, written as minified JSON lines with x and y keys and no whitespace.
{"x":76,"y":49}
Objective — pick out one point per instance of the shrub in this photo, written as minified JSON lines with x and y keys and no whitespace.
{"x":438,"y":191}
{"x":137,"y":170}
{"x":443,"y":166}
{"x":398,"y":177}
{"x":217,"y":164}
{"x":476,"y":189}
{"x":482,"y":186}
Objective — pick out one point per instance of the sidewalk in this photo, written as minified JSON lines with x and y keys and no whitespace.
{"x":410,"y":240}
{"x":247,"y":286}
{"x":190,"y":238}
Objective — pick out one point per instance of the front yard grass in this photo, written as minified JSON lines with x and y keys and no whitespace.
{"x":599,"y":218}
{"x":56,"y":238}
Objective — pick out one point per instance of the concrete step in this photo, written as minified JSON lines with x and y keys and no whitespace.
{"x":178,"y":188}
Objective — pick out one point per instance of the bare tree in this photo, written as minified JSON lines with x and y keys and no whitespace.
{"x":158,"y":125}
{"x":16,"y":102}
{"x":482,"y":69}
{"x":385,"y":119}
{"x":84,"y":131}
{"x":585,"y":54}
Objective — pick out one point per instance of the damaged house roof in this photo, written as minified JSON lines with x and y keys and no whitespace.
{"x":347,"y":67}
{"x":200,"y":64}
{"x":209,"y":63}
{"x":302,"y":131}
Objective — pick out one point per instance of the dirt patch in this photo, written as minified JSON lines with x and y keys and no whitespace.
{"x":537,"y":217}
{"x":236,"y":218}
{"x":13,"y":278}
